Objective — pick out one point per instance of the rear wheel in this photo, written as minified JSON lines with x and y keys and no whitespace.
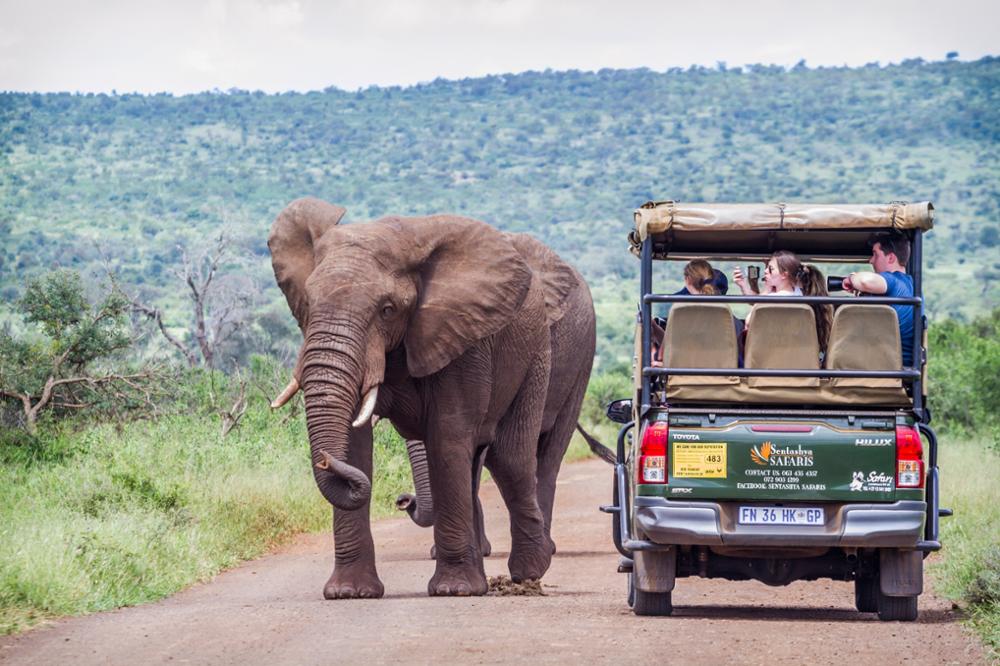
{"x":652,"y":603}
{"x":866,"y":594}
{"x":903,"y":609}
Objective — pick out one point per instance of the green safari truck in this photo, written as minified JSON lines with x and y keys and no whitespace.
{"x":767,"y":455}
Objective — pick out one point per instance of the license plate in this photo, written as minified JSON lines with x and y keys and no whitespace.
{"x":779,"y":515}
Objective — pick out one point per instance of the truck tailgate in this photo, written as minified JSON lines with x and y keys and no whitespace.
{"x":753,"y":460}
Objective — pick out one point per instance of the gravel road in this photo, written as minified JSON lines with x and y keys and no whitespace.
{"x":271,"y":611}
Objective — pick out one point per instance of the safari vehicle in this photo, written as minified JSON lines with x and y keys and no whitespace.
{"x":785,"y":469}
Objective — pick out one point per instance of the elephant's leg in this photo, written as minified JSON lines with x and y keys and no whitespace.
{"x":512,"y":461}
{"x":552,"y":447}
{"x":459,"y":569}
{"x":485,"y":547}
{"x":354,"y":573}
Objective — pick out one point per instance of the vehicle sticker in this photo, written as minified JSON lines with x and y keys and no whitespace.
{"x":699,"y":461}
{"x":768,"y":455}
{"x":873,"y":441}
{"x":874,"y":482}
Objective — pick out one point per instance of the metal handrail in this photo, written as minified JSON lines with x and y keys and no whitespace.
{"x":762,"y":298}
{"x":653,"y":371}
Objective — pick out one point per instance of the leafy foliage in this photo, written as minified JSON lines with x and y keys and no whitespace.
{"x":566,"y":156}
{"x":60,"y":368}
{"x":964,"y":367}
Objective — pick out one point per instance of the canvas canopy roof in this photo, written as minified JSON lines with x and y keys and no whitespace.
{"x":745,"y":229}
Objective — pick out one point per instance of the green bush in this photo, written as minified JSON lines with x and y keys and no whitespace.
{"x":964,"y":370}
{"x":613,"y":384}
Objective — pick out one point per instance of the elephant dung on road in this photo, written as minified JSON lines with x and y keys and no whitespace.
{"x":441,"y":325}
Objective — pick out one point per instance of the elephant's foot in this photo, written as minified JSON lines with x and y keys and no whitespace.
{"x":457,"y":580}
{"x":485,"y":547}
{"x":353,"y":583}
{"x":530,"y":562}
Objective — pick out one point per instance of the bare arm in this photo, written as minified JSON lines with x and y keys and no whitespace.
{"x":741,"y":282}
{"x":867,"y":282}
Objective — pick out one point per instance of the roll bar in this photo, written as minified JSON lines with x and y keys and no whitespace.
{"x":912,"y":374}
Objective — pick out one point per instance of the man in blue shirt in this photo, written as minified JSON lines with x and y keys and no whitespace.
{"x":889,"y":256}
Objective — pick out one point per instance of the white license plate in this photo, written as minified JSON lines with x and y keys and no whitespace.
{"x":780,"y":515}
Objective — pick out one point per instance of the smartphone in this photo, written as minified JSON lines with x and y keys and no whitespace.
{"x":753,"y":272}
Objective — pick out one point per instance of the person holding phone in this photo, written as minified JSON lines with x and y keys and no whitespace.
{"x":785,"y":275}
{"x":748,"y":287}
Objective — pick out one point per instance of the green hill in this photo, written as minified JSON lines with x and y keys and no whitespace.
{"x":92,"y":179}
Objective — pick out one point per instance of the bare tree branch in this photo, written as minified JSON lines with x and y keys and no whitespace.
{"x":156,"y":315}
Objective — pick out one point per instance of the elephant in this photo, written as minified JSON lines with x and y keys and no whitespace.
{"x":441,"y":326}
{"x":572,"y":326}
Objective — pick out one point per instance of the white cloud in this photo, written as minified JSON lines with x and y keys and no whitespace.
{"x":275,"y":45}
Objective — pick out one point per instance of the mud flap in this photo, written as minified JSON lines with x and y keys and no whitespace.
{"x":901,"y":572}
{"x":655,"y":570}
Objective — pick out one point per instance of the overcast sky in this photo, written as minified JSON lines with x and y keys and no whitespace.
{"x":185,"y":46}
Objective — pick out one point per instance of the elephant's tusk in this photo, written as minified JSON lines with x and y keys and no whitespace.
{"x":367,"y":408}
{"x":286,"y":395}
{"x":375,"y":419}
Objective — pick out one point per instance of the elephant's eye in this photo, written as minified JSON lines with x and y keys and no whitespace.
{"x":387,"y":310}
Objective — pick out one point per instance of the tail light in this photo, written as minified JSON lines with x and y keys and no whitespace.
{"x":652,"y":467}
{"x":909,"y":458}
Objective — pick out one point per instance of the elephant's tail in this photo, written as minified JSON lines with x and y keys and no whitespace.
{"x":599,"y":450}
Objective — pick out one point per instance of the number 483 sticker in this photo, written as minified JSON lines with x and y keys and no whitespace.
{"x":699,"y":461}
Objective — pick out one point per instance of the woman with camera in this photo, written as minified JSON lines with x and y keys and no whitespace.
{"x":785,"y":275}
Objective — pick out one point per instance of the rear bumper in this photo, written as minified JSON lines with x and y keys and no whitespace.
{"x":667,"y":522}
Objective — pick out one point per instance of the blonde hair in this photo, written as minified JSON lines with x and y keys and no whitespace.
{"x":700,"y":274}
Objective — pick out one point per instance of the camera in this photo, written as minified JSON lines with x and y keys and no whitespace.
{"x":835,"y":282}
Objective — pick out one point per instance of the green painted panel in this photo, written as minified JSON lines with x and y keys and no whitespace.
{"x":733,"y":461}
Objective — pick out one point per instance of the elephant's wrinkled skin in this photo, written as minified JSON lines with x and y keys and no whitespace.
{"x":446,"y":320}
{"x":571,"y":313}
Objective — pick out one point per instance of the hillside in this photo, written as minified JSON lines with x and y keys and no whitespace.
{"x":89,"y":180}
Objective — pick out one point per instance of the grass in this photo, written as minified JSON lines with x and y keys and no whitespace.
{"x":969,"y":570}
{"x":103,"y":516}
{"x":107,"y":517}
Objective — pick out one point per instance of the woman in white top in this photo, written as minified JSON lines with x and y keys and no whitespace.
{"x":785,"y":275}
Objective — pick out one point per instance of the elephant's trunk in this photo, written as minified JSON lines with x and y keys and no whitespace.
{"x":420,"y":507}
{"x":331,"y":380}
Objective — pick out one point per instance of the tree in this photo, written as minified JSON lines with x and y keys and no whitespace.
{"x":61,"y":368}
{"x":220,"y":303}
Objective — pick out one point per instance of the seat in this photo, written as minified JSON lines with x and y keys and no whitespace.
{"x":864,"y":337}
{"x":700,"y":335}
{"x":782,"y":337}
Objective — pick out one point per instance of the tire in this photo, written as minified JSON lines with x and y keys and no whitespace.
{"x":866,"y":594}
{"x":903,"y":609}
{"x":652,"y":603}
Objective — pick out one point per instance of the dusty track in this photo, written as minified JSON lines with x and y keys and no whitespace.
{"x":271,"y":611}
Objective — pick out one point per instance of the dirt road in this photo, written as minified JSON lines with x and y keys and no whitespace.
{"x":271,"y":611}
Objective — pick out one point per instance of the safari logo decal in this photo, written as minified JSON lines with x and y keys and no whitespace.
{"x":768,"y":455}
{"x":874,"y":482}
{"x":761,"y":455}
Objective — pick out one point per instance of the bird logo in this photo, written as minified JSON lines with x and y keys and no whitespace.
{"x":761,"y":454}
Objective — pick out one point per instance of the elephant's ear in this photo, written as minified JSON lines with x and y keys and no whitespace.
{"x":293,"y":238}
{"x":472,"y":281}
{"x":558,"y":278}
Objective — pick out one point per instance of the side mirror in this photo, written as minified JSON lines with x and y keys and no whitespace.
{"x":620,"y":411}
